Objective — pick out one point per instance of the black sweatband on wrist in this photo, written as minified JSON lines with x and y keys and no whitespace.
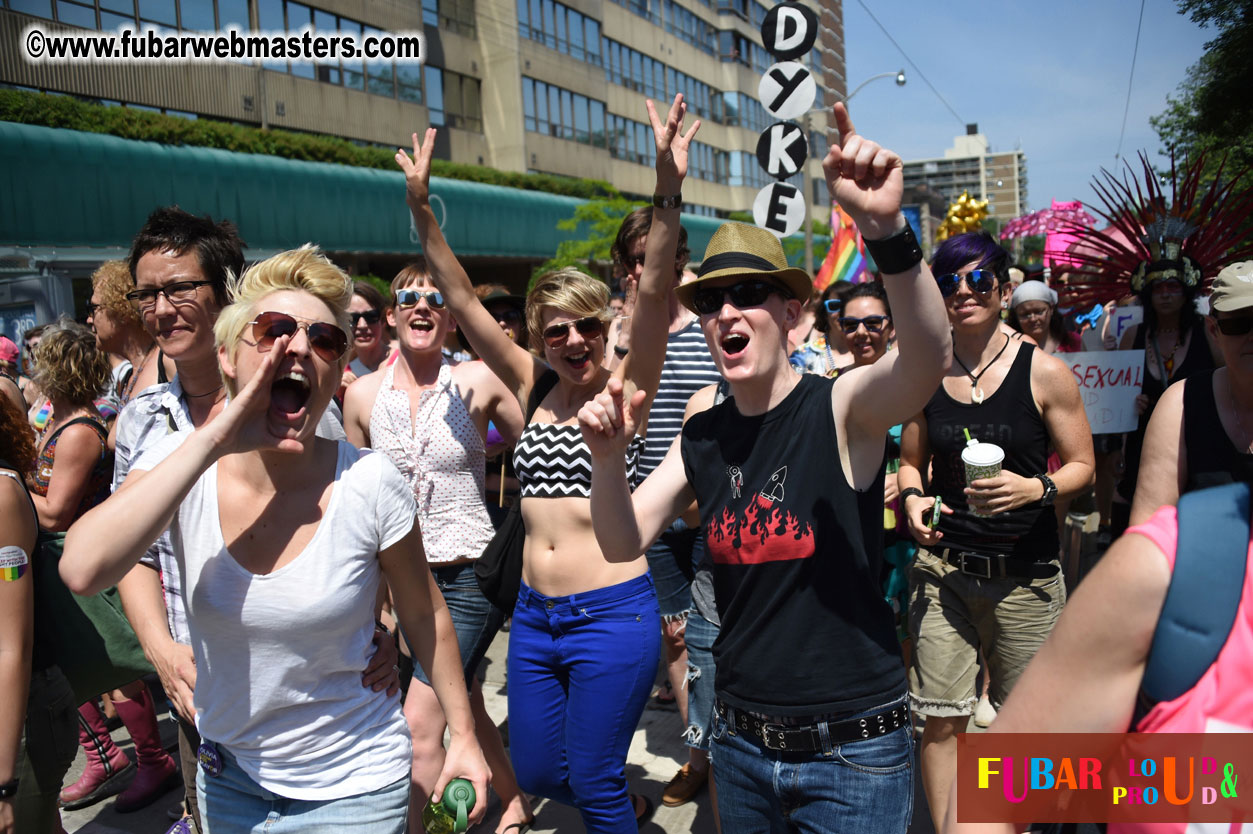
{"x":619,"y":350}
{"x":896,"y":253}
{"x":908,"y":491}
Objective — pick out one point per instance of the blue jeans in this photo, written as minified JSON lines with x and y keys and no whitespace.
{"x":232,"y":803}
{"x":670,"y":563}
{"x":474,"y":618}
{"x":861,"y":786}
{"x":700,"y":637}
{"x":580,"y":669}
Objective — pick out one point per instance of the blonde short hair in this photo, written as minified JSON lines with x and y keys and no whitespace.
{"x":111,"y":282}
{"x":305,"y":269}
{"x":68,"y":365}
{"x":570,"y":291}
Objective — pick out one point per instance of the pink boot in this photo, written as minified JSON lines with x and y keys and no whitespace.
{"x":107,"y":767}
{"x":158,"y":772}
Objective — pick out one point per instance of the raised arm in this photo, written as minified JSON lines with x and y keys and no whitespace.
{"x":867,"y":182}
{"x":516,"y":367}
{"x":650,"y":319}
{"x":625,"y":524}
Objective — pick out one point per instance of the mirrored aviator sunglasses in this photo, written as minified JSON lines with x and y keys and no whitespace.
{"x":326,"y":340}
{"x":981,"y":281}
{"x":589,"y":327}
{"x":410,"y":298}
{"x":708,"y":300}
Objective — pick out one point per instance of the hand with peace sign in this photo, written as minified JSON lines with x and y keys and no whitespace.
{"x":672,"y":144}
{"x":418,"y":170}
{"x":866,"y":179}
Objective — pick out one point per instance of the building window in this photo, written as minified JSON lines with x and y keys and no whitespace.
{"x":550,"y":110}
{"x":561,"y":28}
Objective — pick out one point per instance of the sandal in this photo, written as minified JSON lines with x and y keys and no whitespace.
{"x":664,"y":695}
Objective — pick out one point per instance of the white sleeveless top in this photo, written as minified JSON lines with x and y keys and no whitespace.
{"x":440,"y":453}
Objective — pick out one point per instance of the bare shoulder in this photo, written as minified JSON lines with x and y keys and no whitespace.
{"x":702,"y":400}
{"x":361,"y":394}
{"x":1051,"y":373}
{"x":475,"y":374}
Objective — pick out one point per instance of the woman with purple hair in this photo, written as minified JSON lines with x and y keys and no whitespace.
{"x":986,"y":577}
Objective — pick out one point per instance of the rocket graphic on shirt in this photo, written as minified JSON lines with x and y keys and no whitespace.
{"x":764,"y":530}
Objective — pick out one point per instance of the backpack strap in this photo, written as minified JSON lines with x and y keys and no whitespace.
{"x":1205,"y":590}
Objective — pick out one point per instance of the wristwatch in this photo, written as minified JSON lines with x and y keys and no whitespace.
{"x":1050,"y":490}
{"x":667,"y":201}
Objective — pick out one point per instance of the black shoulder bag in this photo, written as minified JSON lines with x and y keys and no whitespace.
{"x":499,"y":569}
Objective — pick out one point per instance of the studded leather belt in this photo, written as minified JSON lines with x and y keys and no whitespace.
{"x":772,"y":734}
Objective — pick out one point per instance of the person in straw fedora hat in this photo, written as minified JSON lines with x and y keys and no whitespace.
{"x":787,"y":473}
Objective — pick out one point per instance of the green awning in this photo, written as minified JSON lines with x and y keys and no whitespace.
{"x":67,"y":188}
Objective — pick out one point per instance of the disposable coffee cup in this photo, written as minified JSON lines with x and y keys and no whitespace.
{"x":982,"y":460}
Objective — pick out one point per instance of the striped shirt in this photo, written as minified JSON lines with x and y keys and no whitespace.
{"x":688,"y":368}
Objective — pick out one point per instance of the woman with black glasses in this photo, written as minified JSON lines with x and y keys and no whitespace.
{"x":369,"y":331}
{"x":826,"y":353}
{"x":282,"y":540}
{"x":987,"y":576}
{"x":584,"y":644}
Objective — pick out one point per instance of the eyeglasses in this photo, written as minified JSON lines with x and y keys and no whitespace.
{"x":981,"y":281}
{"x":369,"y":317}
{"x":589,"y":327}
{"x":873,"y":324}
{"x":1239,"y":326}
{"x":92,"y":308}
{"x":833,"y":306}
{"x":708,"y":300}
{"x":179,"y":291}
{"x":632,"y":261}
{"x":327,"y":340}
{"x":1032,"y":314}
{"x":410,"y":298}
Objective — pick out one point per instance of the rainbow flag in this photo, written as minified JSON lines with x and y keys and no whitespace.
{"x":846,"y":259}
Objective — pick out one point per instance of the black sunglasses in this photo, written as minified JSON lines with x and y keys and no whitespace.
{"x":873,"y":324}
{"x":982,"y":281}
{"x":708,"y":300}
{"x":326,"y":340}
{"x":1238,"y":326}
{"x":632,"y":261}
{"x":589,"y":327}
{"x":410,"y":298}
{"x":369,"y":317}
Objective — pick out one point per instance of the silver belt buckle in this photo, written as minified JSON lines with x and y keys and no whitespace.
{"x":966,"y":558}
{"x":766,"y":730}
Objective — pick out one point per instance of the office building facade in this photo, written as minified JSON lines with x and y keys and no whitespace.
{"x":970,"y":166}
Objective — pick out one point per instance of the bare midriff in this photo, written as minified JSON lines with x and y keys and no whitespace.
{"x":562,"y":556}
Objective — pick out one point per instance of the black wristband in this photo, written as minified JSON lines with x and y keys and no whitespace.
{"x":9,"y":789}
{"x":908,"y":491}
{"x":667,"y":201}
{"x":619,"y":350}
{"x":896,"y":253}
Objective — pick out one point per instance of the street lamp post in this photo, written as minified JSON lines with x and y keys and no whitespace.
{"x":809,"y":220}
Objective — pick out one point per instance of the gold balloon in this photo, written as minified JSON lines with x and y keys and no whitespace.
{"x":964,"y":215}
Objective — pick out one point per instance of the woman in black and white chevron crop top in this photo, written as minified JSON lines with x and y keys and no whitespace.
{"x":586,"y":629}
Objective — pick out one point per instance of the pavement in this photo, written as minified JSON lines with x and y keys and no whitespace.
{"x":656,"y":752}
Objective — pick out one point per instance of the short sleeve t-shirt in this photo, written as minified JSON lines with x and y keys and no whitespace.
{"x":279,"y":656}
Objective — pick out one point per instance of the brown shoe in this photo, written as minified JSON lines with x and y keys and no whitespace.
{"x":684,"y":786}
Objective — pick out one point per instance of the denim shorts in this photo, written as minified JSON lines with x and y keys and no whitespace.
{"x":863,"y":785}
{"x":232,"y":803}
{"x":700,"y":636}
{"x":670,"y":561}
{"x":474,"y":618}
{"x":952,"y":615}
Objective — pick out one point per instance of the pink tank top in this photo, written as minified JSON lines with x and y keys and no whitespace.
{"x":440,"y":452}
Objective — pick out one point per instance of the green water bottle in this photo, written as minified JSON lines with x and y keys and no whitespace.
{"x":451,"y":816}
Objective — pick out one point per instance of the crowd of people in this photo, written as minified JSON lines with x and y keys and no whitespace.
{"x":775,"y":500}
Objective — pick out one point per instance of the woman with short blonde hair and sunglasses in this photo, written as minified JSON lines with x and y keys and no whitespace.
{"x":585,"y":639}
{"x":282,"y":539}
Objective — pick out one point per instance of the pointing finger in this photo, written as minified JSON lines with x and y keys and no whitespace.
{"x":843,"y":122}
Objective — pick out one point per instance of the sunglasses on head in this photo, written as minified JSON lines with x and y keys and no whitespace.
{"x":873,"y":324}
{"x":326,"y":340}
{"x":708,"y":300}
{"x":410,"y":298}
{"x":369,"y":317}
{"x":1238,"y":326}
{"x":981,"y":281}
{"x":589,"y":327}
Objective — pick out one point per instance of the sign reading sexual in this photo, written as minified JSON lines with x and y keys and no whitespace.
{"x":1108,"y":382}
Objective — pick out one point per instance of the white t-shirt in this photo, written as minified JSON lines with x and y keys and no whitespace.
{"x":279,"y":657}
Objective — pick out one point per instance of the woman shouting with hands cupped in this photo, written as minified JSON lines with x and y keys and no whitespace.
{"x":586,"y":628}
{"x":282,"y":539}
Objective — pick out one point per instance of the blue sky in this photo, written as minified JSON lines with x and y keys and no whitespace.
{"x":1050,"y":78}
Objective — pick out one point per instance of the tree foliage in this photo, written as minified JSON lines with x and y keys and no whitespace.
{"x":598,"y":220}
{"x":1212,"y":111}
